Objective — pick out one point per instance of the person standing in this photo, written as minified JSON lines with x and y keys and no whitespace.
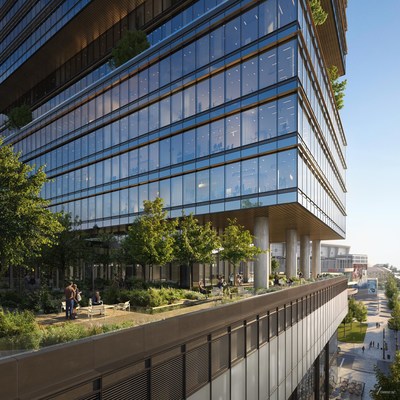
{"x":69,"y":301}
{"x":77,"y":299}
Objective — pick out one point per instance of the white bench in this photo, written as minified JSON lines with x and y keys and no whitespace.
{"x":97,"y":309}
{"x":123,"y":306}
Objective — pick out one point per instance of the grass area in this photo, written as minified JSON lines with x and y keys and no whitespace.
{"x":355,"y":332}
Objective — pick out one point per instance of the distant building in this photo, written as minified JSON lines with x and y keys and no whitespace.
{"x":334,"y":258}
{"x":379,"y":271}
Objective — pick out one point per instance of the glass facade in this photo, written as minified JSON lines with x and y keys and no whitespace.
{"x":229,"y":109}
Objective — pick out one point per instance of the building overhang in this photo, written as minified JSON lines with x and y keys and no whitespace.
{"x":280,"y":218}
{"x":332,"y":34}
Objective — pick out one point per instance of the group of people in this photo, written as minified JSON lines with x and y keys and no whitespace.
{"x":73,"y":297}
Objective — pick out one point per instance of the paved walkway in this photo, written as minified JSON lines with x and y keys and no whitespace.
{"x":358,"y":365}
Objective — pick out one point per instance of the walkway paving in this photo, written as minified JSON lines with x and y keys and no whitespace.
{"x":358,"y":365}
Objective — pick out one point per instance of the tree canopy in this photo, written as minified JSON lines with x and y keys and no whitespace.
{"x":394,"y":321}
{"x":150,"y":238}
{"x":237,"y":244}
{"x":26,"y":224}
{"x":130,"y":45}
{"x":19,"y":117}
{"x":69,"y":248}
{"x":194,"y":243}
{"x":387,"y":386}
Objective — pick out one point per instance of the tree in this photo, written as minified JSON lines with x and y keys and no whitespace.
{"x":348,"y":319}
{"x":360,"y":312}
{"x":19,"y":117}
{"x":26,"y":224}
{"x":150,"y":238}
{"x":237,"y":244}
{"x":130,"y":45}
{"x":394,"y":322}
{"x":391,"y":288}
{"x":318,"y":13}
{"x":337,"y":86}
{"x":70,"y":247}
{"x":194,"y":243}
{"x":387,"y":386}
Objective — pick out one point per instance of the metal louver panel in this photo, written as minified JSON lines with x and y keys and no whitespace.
{"x":197,"y":368}
{"x":219,"y":355}
{"x":133,"y":388}
{"x":167,"y":380}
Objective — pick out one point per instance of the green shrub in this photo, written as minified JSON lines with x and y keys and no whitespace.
{"x":111,"y":295}
{"x":10,"y":299}
{"x":135,"y":283}
{"x":69,"y":331}
{"x":170,"y":295}
{"x":193,"y":295}
{"x":155,"y":298}
{"x":140,"y":298}
{"x":20,"y":329}
{"x":124,"y":295}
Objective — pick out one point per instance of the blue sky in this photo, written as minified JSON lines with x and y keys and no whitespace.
{"x":371,"y":119}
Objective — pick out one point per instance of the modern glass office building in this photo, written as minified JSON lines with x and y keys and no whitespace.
{"x":228,"y":113}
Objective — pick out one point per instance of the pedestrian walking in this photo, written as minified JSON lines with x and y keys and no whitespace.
{"x":377,"y":346}
{"x":363,"y":348}
{"x":370,"y":344}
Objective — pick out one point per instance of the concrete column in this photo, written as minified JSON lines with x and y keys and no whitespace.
{"x":316,"y":258}
{"x":305,"y":253}
{"x":262,"y":262}
{"x":291,"y":253}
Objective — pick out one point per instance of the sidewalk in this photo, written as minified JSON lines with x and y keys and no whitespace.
{"x":353,"y":363}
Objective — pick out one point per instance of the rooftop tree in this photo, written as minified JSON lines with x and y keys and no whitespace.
{"x":26,"y":224}
{"x":337,"y":86}
{"x":318,"y":13}
{"x":194,"y":243}
{"x":19,"y":117}
{"x":150,"y":238}
{"x":237,"y":245}
{"x":130,"y":45}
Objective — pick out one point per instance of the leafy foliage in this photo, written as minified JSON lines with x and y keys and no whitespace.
{"x":20,"y":329}
{"x":194,"y":243}
{"x":19,"y":117}
{"x":337,"y":86}
{"x":360,"y":312}
{"x":130,"y":45}
{"x":387,"y":386}
{"x":394,"y":322}
{"x":69,"y":249}
{"x":274,"y":266}
{"x":150,"y":238}
{"x":391,"y":288}
{"x":318,"y":13}
{"x":237,"y":244}
{"x":69,"y":331}
{"x":26,"y":225}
